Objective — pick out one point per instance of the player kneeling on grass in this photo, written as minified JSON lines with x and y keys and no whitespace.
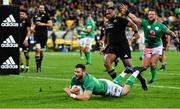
{"x":90,"y":85}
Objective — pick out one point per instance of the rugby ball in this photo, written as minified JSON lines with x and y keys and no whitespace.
{"x":75,"y":89}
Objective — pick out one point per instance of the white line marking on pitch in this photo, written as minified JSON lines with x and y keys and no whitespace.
{"x":61,"y":79}
{"x":170,"y":74}
{"x":62,"y":54}
{"x":170,"y":87}
{"x":41,"y":78}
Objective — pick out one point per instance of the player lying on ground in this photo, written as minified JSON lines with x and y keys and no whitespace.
{"x":91,"y":85}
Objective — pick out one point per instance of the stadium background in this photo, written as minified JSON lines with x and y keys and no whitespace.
{"x":45,"y":90}
{"x":66,"y":13}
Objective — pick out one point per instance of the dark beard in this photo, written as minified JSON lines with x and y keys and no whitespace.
{"x":151,"y":21}
{"x":41,"y":12}
{"x":80,"y":78}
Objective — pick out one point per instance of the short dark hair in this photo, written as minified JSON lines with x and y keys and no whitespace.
{"x":23,"y":10}
{"x":151,"y":9}
{"x":82,"y":66}
{"x":111,"y":8}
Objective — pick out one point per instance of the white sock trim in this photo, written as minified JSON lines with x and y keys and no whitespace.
{"x":136,"y":73}
{"x":123,"y":74}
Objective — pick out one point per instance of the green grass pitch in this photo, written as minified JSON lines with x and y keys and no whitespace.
{"x":45,"y":89}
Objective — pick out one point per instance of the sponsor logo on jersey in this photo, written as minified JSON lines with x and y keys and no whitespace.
{"x":156,"y":28}
{"x":126,"y":56}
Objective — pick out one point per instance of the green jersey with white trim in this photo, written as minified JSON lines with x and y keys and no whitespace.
{"x":78,"y":33}
{"x":82,"y":34}
{"x":153,"y":33}
{"x":90,"y":83}
{"x":90,"y":24}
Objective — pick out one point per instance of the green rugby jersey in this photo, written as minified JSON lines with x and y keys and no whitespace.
{"x":90,"y":83}
{"x":90,"y":23}
{"x":153,"y":33}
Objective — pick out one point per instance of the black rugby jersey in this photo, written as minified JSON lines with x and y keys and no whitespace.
{"x":24,"y":23}
{"x":43,"y":18}
{"x":115,"y":31}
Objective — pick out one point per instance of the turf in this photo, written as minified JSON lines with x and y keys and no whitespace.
{"x":45,"y":89}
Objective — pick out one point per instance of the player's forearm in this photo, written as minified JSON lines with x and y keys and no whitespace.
{"x":67,"y":90}
{"x":28,"y":31}
{"x":133,"y":26}
{"x":86,"y":30}
{"x":168,"y":41}
{"x":82,"y":97}
{"x":74,"y":96}
{"x":104,"y":40}
{"x":134,"y":18}
{"x":173,"y":35}
{"x":49,"y":24}
{"x":125,"y":11}
{"x":135,"y":29}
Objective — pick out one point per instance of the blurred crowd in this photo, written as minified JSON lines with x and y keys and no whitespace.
{"x":65,"y":13}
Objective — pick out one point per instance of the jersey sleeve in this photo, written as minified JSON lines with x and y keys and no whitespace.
{"x":28,"y":21}
{"x":143,"y":22}
{"x":89,"y":25}
{"x":89,"y":86}
{"x":47,"y":17}
{"x":164,"y":28}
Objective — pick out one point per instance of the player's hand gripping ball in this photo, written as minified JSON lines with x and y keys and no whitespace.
{"x":76,"y":90}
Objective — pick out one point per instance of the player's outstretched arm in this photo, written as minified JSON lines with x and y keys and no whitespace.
{"x":27,"y":36}
{"x":135,"y":29}
{"x":173,"y":35}
{"x":168,"y":39}
{"x":87,"y":30}
{"x":85,"y":96}
{"x":124,"y":10}
{"x":49,"y":23}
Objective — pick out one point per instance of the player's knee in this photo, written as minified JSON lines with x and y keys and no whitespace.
{"x":125,"y":91}
{"x":107,"y":63}
{"x":86,"y":49}
{"x":153,"y":64}
{"x":145,"y":66}
{"x":38,"y":50}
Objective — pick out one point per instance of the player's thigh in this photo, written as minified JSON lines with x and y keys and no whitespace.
{"x":127,"y":62}
{"x":113,"y":89}
{"x":125,"y":55}
{"x":154,"y":59}
{"x":43,"y":42}
{"x":156,"y":52}
{"x":147,"y":52}
{"x":109,"y":57}
{"x":146,"y":61}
